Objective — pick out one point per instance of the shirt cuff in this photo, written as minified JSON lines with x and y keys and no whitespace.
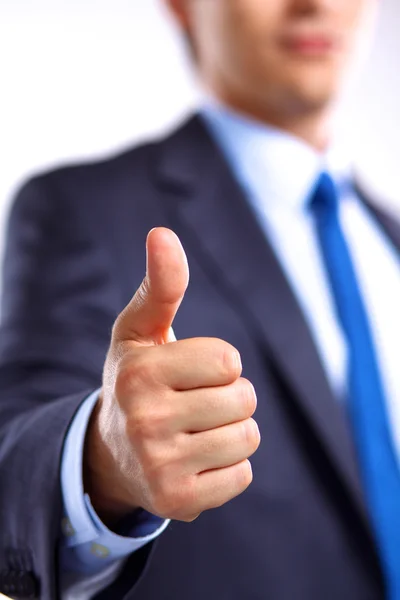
{"x":83,"y":531}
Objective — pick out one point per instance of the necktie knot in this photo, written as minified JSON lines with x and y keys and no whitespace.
{"x":325,"y":198}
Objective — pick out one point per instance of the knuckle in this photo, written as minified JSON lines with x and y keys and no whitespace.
{"x":158,"y":484}
{"x":144,"y":369}
{"x":175,"y":498}
{"x":123,"y":381}
{"x":184,"y":499}
{"x":138,"y":424}
{"x":150,"y":423}
{"x":134,"y":374}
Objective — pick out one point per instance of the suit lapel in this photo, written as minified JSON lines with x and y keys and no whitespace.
{"x":387,"y":221}
{"x":219,"y":227}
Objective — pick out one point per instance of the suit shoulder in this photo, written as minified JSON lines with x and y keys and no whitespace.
{"x":105,"y":183}
{"x":135,"y":163}
{"x":98,"y":171}
{"x":72,"y":189}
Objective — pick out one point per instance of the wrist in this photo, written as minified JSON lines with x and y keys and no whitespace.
{"x":101,"y":477}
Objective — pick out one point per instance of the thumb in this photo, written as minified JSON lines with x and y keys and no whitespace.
{"x":149,"y":315}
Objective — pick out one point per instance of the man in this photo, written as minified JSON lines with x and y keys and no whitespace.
{"x":139,"y":485}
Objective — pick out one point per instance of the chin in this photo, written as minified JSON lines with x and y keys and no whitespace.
{"x":312,"y":100}
{"x":313,"y":90}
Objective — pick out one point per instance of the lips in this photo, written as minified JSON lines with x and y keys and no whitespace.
{"x":311,"y":45}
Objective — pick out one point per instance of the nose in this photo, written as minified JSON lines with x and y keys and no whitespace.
{"x":313,"y":7}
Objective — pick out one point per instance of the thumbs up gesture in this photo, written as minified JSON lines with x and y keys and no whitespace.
{"x":172,"y":430}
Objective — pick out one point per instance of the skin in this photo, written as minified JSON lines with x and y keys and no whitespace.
{"x":173,"y":429}
{"x":242,"y":58}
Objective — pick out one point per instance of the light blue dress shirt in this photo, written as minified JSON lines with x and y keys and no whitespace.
{"x":277,"y":172}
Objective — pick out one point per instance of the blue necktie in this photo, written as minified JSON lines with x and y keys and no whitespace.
{"x":366,"y":402}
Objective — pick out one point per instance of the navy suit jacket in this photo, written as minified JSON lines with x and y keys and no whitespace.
{"x":75,"y":254}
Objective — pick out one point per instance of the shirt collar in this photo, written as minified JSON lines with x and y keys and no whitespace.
{"x":270,"y":162}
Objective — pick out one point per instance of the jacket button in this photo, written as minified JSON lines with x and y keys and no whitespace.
{"x":21,"y":585}
{"x":27,"y":585}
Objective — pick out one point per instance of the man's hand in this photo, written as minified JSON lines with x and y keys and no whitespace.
{"x":172,"y":430}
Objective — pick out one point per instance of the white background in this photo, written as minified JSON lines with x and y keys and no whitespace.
{"x":81,"y":78}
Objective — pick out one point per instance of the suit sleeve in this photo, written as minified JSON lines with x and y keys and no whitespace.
{"x":58,"y":305}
